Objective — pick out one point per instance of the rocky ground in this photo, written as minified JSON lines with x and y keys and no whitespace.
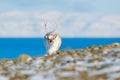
{"x":92,"y":63}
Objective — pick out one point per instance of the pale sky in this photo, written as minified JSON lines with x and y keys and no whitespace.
{"x":75,"y":18}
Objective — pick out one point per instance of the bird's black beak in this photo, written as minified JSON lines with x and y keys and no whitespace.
{"x":50,"y":41}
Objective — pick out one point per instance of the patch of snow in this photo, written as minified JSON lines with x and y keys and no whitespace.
{"x":43,"y":76}
{"x":103,"y":71}
{"x":4,"y":78}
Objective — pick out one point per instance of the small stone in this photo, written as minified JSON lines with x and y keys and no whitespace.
{"x":25,"y":58}
{"x":118,"y":78}
{"x":4,"y":60}
{"x":83,"y":75}
{"x":71,"y":52}
{"x":115,"y":45}
{"x":4,"y":66}
{"x":100,"y":76}
{"x":69,"y":68}
{"x":15,"y":61}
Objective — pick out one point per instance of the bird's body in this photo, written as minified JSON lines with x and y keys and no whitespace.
{"x":52,"y":42}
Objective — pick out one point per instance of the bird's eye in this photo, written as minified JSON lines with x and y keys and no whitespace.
{"x":55,"y":36}
{"x":45,"y":36}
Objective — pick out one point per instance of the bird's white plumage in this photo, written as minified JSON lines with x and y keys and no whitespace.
{"x":52,"y":42}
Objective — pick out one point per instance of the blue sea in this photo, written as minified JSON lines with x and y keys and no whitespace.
{"x":13,"y":47}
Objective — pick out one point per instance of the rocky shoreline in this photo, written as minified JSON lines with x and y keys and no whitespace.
{"x":92,"y":63}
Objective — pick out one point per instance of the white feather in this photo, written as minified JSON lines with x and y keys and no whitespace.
{"x":52,"y":48}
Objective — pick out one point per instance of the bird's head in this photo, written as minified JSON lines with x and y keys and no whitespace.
{"x":51,"y":36}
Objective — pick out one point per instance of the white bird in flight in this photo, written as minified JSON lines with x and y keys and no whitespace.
{"x":52,"y":41}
